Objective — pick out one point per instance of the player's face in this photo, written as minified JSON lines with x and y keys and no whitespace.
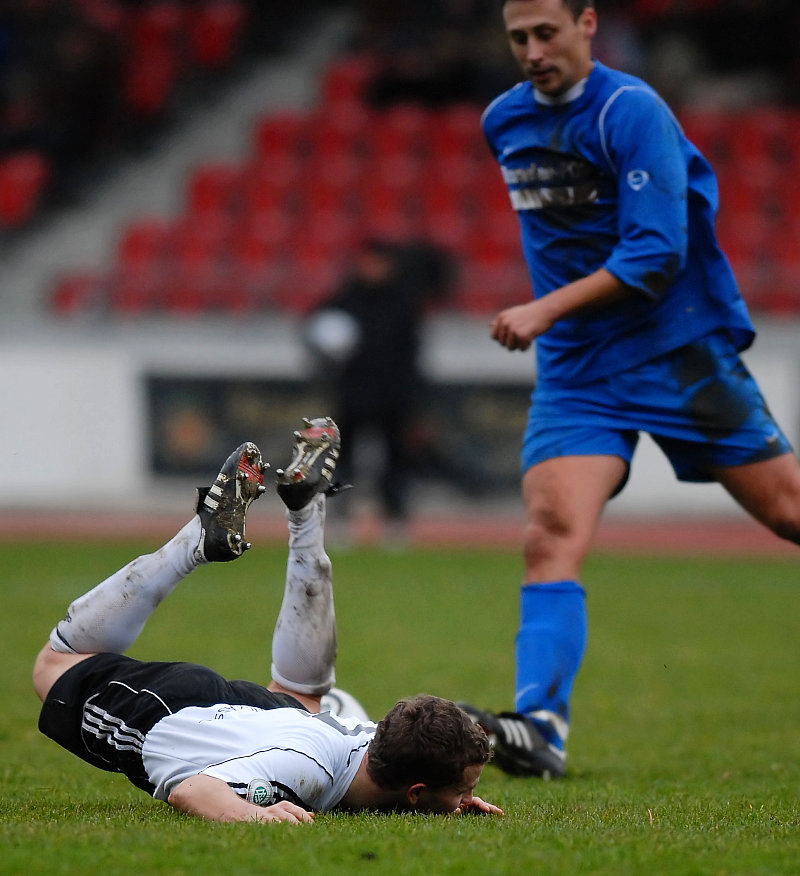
{"x":450,"y":799}
{"x":552,"y":48}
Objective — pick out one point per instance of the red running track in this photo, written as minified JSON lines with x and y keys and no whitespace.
{"x":665,"y":536}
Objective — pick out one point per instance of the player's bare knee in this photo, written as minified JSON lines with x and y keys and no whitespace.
{"x":786,"y":527}
{"x":543,"y":538}
{"x":49,"y":666}
{"x":782,"y":515}
{"x":42,"y":672}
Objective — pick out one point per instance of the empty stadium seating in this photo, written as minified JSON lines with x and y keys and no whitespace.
{"x":23,"y":177}
{"x":130,"y":60}
{"x":280,"y":227}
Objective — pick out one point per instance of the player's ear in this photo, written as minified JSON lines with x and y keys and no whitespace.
{"x":587,"y":22}
{"x":414,"y":792}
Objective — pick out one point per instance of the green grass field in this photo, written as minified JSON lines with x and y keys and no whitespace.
{"x":683,"y":754}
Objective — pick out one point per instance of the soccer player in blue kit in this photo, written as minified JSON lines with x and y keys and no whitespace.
{"x":638,"y":325}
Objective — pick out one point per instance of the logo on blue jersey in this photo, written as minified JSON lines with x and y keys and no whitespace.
{"x":554,"y":180}
{"x":553,"y":196}
{"x":638,"y":179}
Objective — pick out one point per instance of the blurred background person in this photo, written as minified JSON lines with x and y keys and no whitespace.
{"x":366,"y":337}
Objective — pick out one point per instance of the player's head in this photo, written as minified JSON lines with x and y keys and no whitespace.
{"x":574,"y":6}
{"x":551,"y":41}
{"x":376,"y":262}
{"x":428,"y":748}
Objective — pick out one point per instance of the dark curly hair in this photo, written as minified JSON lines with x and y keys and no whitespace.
{"x":425,"y":739}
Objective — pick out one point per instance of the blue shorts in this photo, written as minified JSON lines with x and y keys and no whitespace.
{"x":699,"y":403}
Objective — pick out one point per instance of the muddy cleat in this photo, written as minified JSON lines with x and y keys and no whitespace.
{"x":313,"y":464}
{"x":519,"y":748}
{"x":222,"y":506}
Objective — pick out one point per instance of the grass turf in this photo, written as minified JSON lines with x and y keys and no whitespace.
{"x":683,"y":756}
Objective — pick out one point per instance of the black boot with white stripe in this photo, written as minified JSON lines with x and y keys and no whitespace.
{"x":316,"y":452}
{"x":519,"y":748}
{"x":222,"y":507}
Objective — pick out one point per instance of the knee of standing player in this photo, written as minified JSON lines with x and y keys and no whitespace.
{"x":546,"y":535}
{"x":785,"y":522}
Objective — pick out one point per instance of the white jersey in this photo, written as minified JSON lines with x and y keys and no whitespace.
{"x":264,"y":755}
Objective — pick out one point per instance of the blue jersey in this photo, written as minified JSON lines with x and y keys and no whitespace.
{"x":607,"y":179}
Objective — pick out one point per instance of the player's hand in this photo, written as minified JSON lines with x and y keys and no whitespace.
{"x":211,"y":798}
{"x":285,"y":811}
{"x":476,"y":805}
{"x":516,"y":327}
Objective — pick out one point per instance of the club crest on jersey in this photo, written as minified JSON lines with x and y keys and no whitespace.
{"x":260,"y":792}
{"x":638,"y":179}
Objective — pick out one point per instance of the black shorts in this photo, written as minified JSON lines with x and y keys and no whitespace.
{"x":102,"y":707}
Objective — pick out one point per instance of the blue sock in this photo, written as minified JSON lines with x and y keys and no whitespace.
{"x":549,"y":648}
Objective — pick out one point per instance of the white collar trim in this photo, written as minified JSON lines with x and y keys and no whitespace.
{"x":567,"y":97}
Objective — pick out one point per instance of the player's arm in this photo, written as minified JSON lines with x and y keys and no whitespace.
{"x":517,"y":326}
{"x":211,"y":798}
{"x":645,"y":151}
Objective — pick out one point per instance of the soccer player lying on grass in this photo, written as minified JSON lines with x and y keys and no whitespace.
{"x":235,"y":750}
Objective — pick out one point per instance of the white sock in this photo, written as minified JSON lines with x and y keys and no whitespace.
{"x":304,"y":641}
{"x":110,"y":616}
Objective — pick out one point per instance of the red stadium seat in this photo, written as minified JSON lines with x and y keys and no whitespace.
{"x":331,"y":183}
{"x":403,"y":173}
{"x":331,"y":135}
{"x":326,"y":234}
{"x":496,"y":238}
{"x":197,"y":245}
{"x":214,"y":188}
{"x":306,"y":278}
{"x":345,"y":79}
{"x":256,"y":251}
{"x":282,"y":134}
{"x":160,"y":22}
{"x":771,"y":287}
{"x":272,"y":228}
{"x":491,"y":192}
{"x":765,"y":134}
{"x":213,"y":29}
{"x":713,"y":132}
{"x":454,"y":230}
{"x":452,"y":183}
{"x":455,"y":132}
{"x":739,"y":192}
{"x":78,"y":293}
{"x":488,"y":286}
{"x":391,"y":186}
{"x":402,"y":130}
{"x":143,"y":245}
{"x":23,"y":178}
{"x":198,"y":290}
{"x":741,"y":235}
{"x":150,"y":78}
{"x":273,"y":185}
{"x":135,"y":293}
{"x":154,"y":59}
{"x":253,"y":251}
{"x":257,"y":286}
